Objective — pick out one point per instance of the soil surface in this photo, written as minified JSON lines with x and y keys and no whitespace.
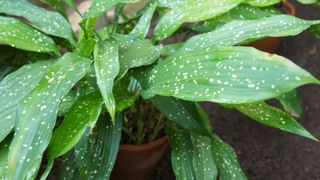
{"x":266,"y":153}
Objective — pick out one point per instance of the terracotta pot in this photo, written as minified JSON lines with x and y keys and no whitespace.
{"x":137,"y":162}
{"x":270,"y":44}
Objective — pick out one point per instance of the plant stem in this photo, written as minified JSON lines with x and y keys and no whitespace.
{"x":160,"y":124}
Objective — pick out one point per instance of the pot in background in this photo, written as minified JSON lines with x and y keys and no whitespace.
{"x":137,"y":162}
{"x":270,"y":44}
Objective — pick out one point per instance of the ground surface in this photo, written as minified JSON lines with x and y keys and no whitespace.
{"x":266,"y":153}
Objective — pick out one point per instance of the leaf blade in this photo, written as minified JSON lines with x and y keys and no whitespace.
{"x":106,"y":66}
{"x":17,"y":34}
{"x":33,"y":130}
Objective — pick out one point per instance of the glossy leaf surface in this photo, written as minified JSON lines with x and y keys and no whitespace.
{"x":106,"y":66}
{"x":184,"y":113}
{"x":98,"y":7}
{"x":291,"y":103}
{"x":224,"y":75}
{"x":97,"y":157}
{"x":239,"y":31}
{"x":15,"y":87}
{"x":37,"y":112}
{"x":274,"y":117}
{"x":48,"y":22}
{"x":141,"y":29}
{"x":136,"y":54}
{"x":19,"y":35}
{"x":190,"y":11}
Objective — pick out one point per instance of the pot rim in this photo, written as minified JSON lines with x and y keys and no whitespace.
{"x":139,"y":147}
{"x":290,"y":7}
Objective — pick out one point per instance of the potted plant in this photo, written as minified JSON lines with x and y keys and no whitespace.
{"x":77,"y":94}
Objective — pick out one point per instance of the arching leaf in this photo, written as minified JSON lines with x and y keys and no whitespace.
{"x":291,"y":103}
{"x":239,"y":31}
{"x":85,"y":111}
{"x":105,"y":137}
{"x":274,"y":117}
{"x":19,"y":35}
{"x":48,"y":22}
{"x":190,"y":11}
{"x":106,"y":66}
{"x":223,"y":75}
{"x":15,"y":87}
{"x":37,"y":112}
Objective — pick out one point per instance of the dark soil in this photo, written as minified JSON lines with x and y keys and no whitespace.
{"x":266,"y":153}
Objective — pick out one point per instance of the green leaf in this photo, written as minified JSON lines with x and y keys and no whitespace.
{"x":4,"y":150}
{"x":67,"y":102}
{"x":170,"y":49}
{"x":106,"y":66}
{"x":224,"y":75}
{"x":17,"y":34}
{"x":262,"y":3}
{"x":182,"y":154}
{"x":97,"y":157}
{"x":68,"y":168}
{"x":57,"y":5}
{"x":126,"y":92}
{"x":274,"y":117}
{"x":241,"y":12}
{"x":291,"y":103}
{"x":190,"y":11}
{"x":140,"y":31}
{"x":239,"y":31}
{"x":51,"y":23}
{"x":85,"y":111}
{"x":186,"y":114}
{"x":37,"y":112}
{"x":98,"y":7}
{"x":136,"y":54}
{"x":226,"y":160}
{"x":15,"y":87}
{"x":85,"y":47}
{"x":200,"y":157}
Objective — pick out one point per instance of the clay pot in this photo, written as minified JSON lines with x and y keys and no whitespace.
{"x":270,"y":44}
{"x":137,"y":162}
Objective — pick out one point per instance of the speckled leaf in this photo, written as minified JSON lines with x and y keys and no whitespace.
{"x":224,"y":75}
{"x":126,"y":92}
{"x":141,"y":29}
{"x":4,"y":150}
{"x":291,"y":103}
{"x":85,"y":47}
{"x":190,"y":11}
{"x":68,"y":169}
{"x":98,"y":7}
{"x":241,"y":12}
{"x":226,"y":161}
{"x":181,"y":154}
{"x":37,"y":112}
{"x":19,"y":35}
{"x":239,"y":31}
{"x":84,"y":111}
{"x":97,"y":156}
{"x":15,"y":87}
{"x":56,"y":5}
{"x":138,"y":53}
{"x":170,"y":3}
{"x":106,"y":66}
{"x":186,"y":114}
{"x":67,"y":102}
{"x":49,"y":22}
{"x":168,"y":50}
{"x":262,"y":3}
{"x":274,"y":117}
